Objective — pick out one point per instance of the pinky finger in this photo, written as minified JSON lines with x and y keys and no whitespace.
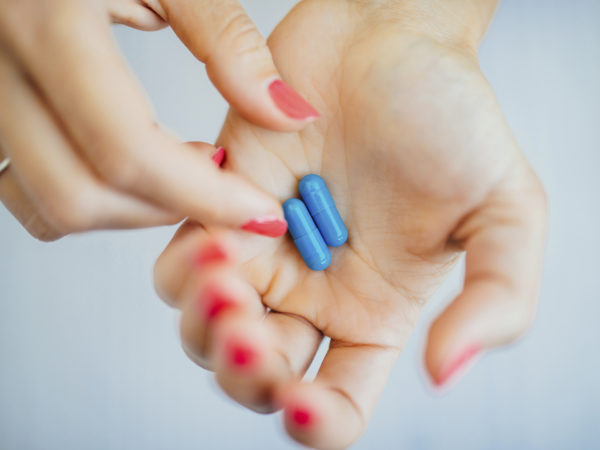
{"x":504,"y":241}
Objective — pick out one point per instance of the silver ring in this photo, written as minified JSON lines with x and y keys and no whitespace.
{"x":4,"y":165}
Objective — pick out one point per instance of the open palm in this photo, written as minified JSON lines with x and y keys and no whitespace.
{"x":422,"y":167}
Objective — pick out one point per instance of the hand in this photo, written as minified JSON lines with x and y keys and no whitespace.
{"x":422,"y":166}
{"x":85,"y":150}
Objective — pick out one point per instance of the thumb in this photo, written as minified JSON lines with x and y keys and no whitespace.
{"x":504,"y":242}
{"x":238,"y":61}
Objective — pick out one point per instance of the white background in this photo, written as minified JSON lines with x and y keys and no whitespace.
{"x":90,"y":358}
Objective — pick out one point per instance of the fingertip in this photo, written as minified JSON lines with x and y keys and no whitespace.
{"x":270,"y":226}
{"x":291,"y":103}
{"x":243,"y":365}
{"x":300,"y":412}
{"x":241,"y":354}
{"x":219,"y":157}
{"x":312,"y":417}
{"x":453,"y":367}
{"x":213,"y":250}
{"x":450,"y":352}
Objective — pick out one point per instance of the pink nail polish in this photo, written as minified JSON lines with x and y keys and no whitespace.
{"x":266,"y":226}
{"x":210,"y":253}
{"x":219,"y":156}
{"x":290,"y":102}
{"x":214,"y":303}
{"x":300,"y":416}
{"x":241,"y":356}
{"x":459,"y":362}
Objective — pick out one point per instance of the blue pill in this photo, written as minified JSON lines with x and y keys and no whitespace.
{"x":318,"y":200}
{"x":307,"y":238}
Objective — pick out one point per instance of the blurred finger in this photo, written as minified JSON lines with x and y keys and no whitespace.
{"x":176,"y":263}
{"x":504,"y":243}
{"x":255,"y":359}
{"x":209,"y":296}
{"x":333,"y":411}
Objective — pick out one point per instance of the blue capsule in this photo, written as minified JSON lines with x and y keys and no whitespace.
{"x":318,"y":200}
{"x":307,"y":238}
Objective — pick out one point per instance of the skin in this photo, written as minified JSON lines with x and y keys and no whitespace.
{"x":423,"y":168}
{"x":97,"y":158}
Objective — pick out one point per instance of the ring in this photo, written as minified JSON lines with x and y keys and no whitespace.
{"x":4,"y":165}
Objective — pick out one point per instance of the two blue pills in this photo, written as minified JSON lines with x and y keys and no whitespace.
{"x":314,"y":222}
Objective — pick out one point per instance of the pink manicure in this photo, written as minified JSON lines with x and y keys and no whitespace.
{"x":211,"y":253}
{"x":290,"y":102}
{"x":266,"y":226}
{"x":457,"y":363}
{"x":214,"y":303}
{"x":219,"y":156}
{"x":241,"y":355}
{"x":300,"y":416}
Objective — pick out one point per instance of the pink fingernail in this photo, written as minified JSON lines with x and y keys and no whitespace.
{"x":241,"y":355}
{"x":290,"y":102}
{"x":219,"y":156}
{"x":213,"y":303}
{"x":300,"y":416}
{"x":266,"y":226}
{"x":455,"y":365}
{"x":210,"y":253}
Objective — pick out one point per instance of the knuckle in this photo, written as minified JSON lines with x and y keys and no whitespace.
{"x":120,"y":169}
{"x":124,"y":163}
{"x":239,"y":33}
{"x":70,"y":211}
{"x":40,"y":230}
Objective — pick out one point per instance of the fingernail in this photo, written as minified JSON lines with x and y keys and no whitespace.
{"x":300,"y":416}
{"x":213,"y":303}
{"x":457,"y":363}
{"x":219,"y":156}
{"x":210,"y":253}
{"x":266,"y":226}
{"x":241,"y":356}
{"x":290,"y":102}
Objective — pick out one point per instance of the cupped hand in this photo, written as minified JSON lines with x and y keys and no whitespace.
{"x":422,"y":167}
{"x":84,"y":147}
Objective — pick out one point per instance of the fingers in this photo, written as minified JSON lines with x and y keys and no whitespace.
{"x":176,"y":263}
{"x":504,"y":244}
{"x":135,"y":14}
{"x":333,"y":411}
{"x":238,"y":61}
{"x":62,"y":189}
{"x":102,"y":109}
{"x":256,"y":360}
{"x":208,"y":296}
{"x":223,"y":322}
{"x":224,"y":328}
